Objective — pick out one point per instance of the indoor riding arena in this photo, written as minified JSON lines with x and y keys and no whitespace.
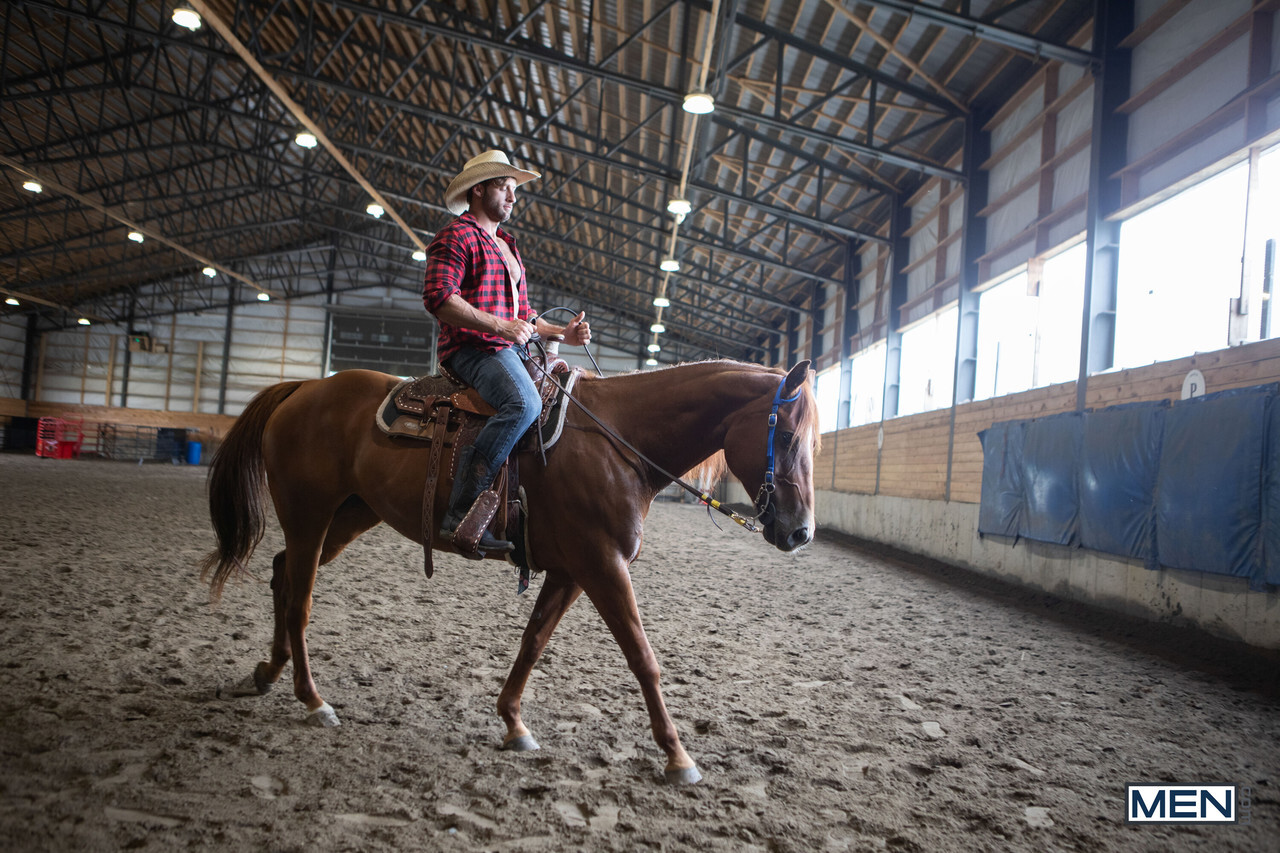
{"x":970,"y":301}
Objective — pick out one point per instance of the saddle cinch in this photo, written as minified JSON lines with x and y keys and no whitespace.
{"x":448,"y":413}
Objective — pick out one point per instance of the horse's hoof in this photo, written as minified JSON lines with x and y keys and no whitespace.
{"x":524,"y":743}
{"x":247,"y":686}
{"x":324,"y":717}
{"x":683,"y":775}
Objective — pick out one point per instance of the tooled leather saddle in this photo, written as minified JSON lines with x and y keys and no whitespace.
{"x":446,"y":412}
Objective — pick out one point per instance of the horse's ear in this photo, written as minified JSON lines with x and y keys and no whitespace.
{"x":795,"y":378}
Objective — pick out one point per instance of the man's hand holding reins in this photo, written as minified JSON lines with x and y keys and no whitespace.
{"x":576,"y":333}
{"x":516,"y":331}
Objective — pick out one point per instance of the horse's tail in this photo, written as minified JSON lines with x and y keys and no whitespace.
{"x":237,"y":489}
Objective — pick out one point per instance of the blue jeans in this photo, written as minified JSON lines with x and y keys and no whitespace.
{"x":504,"y":383}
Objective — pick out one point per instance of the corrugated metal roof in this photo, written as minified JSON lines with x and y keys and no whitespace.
{"x":173,"y":130}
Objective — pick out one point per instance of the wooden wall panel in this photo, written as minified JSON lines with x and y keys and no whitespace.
{"x":1235,"y":367}
{"x":208,"y":428}
{"x":913,"y":462}
{"x":855,"y":460}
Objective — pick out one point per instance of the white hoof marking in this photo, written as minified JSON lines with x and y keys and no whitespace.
{"x":324,"y":717}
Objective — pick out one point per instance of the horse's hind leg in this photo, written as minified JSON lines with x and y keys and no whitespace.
{"x":308,"y":543}
{"x":267,"y":672}
{"x":353,"y":518}
{"x":557,"y":595}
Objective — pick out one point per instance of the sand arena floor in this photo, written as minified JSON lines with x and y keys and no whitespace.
{"x":838,"y":699}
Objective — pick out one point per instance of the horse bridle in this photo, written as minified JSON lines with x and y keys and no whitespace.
{"x":764,"y":496}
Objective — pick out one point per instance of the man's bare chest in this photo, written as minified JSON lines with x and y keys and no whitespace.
{"x":509,"y":259}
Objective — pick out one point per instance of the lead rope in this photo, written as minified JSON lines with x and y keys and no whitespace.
{"x":766,"y":488}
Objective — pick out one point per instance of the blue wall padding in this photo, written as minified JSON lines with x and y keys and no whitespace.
{"x":1119,"y":454}
{"x":1002,"y":503}
{"x":1195,"y":485}
{"x":1209,"y":486}
{"x":1271,"y":498}
{"x":1050,"y":459}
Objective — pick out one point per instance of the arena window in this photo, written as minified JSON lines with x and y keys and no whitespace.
{"x":928,"y":363}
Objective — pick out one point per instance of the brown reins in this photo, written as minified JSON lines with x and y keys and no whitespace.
{"x":766,"y":488}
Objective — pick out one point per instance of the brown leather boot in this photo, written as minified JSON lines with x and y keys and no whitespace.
{"x":473,"y":479}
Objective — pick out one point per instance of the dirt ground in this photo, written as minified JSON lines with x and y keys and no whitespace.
{"x":838,"y":699}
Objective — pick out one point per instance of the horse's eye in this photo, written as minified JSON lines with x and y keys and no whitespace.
{"x":785,"y":439}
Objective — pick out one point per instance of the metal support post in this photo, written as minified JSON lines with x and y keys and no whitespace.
{"x":1113,"y":21}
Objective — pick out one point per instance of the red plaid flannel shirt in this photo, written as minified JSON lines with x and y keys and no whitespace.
{"x":463,"y":259}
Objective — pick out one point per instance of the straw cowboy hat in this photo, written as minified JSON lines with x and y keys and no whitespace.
{"x":483,"y":167}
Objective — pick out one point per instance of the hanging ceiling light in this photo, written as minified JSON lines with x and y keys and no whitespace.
{"x":209,"y":271}
{"x":12,"y":301}
{"x":652,"y":362}
{"x":375,"y":210}
{"x":306,"y":139}
{"x":699,"y":103}
{"x":661,"y":302}
{"x":654,"y":348}
{"x":419,"y":255}
{"x":669,"y":265}
{"x":657,"y":328}
{"x":32,"y":186}
{"x":136,"y":236}
{"x":263,"y":296}
{"x":679,"y":207}
{"x":83,"y":321}
{"x":188,"y":18}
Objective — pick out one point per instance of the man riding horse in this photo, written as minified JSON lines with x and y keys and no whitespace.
{"x":475,"y":287}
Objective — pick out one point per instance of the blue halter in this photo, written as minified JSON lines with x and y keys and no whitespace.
{"x":767,"y":487}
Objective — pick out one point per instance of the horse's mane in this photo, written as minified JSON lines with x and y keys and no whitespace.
{"x":707,"y":474}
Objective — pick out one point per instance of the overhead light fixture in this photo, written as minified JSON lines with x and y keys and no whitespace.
{"x":657,"y":328}
{"x":669,"y":265}
{"x":32,"y":186}
{"x":188,"y":18}
{"x":263,"y":296}
{"x":83,"y":321}
{"x":654,"y":348}
{"x":419,"y":255}
{"x":652,"y":362}
{"x":375,"y":210}
{"x":209,"y":271}
{"x":661,"y":302}
{"x":679,"y":207}
{"x":699,"y":103}
{"x":12,"y":301}
{"x":136,"y":236}
{"x":306,"y":139}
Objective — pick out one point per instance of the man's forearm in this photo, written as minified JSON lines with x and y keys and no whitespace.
{"x":458,"y":312}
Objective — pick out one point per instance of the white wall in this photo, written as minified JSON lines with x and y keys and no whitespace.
{"x":13,"y":333}
{"x":270,"y":342}
{"x":948,"y":531}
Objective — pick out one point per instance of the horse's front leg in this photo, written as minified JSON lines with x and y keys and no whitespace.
{"x":558,"y":593}
{"x":611,"y":593}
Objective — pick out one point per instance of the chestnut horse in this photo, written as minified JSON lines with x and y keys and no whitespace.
{"x":332,"y":475}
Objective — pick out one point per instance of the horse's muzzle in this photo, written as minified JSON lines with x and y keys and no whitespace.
{"x":797,"y":537}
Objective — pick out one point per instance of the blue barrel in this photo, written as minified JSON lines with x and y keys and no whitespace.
{"x":193,"y":452}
